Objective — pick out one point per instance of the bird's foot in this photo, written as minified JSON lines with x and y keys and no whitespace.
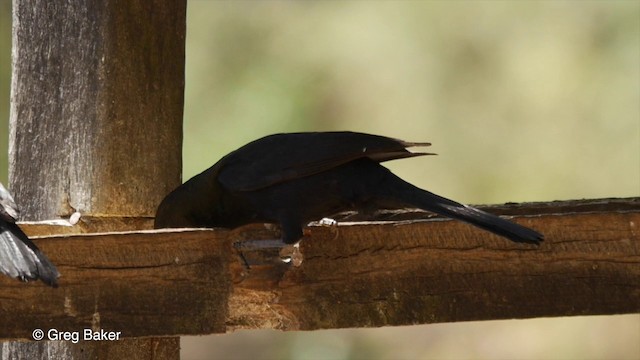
{"x":328,"y":222}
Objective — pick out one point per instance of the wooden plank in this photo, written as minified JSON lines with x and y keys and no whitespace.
{"x":406,"y":274}
{"x":138,"y":283}
{"x":352,"y":275}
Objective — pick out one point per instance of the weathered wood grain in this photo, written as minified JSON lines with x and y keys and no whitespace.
{"x":97,"y":102}
{"x":353,"y":275}
{"x":138,"y":283}
{"x":96,"y":127}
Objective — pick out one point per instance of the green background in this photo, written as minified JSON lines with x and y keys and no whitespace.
{"x":522,"y":100}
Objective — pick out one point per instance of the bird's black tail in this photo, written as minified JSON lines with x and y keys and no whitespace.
{"x":426,"y":200}
{"x":20,"y":258}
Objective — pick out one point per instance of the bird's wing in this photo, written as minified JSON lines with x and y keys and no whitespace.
{"x":283,"y":157}
{"x":20,"y":258}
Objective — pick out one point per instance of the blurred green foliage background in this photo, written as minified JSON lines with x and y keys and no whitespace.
{"x":522,"y":100}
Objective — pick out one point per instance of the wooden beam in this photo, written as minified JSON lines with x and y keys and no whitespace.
{"x":139,"y":283}
{"x":361,"y":274}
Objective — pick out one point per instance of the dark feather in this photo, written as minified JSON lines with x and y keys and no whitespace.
{"x":20,"y":258}
{"x":291,"y":179}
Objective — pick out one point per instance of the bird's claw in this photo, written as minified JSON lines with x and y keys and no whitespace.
{"x":327,"y":222}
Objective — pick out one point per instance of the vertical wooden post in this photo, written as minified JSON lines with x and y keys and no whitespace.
{"x":96,"y":125}
{"x":96,"y":110}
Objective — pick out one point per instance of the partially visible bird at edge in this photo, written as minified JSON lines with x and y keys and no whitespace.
{"x":20,"y":258}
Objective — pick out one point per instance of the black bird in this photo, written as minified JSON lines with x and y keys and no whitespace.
{"x":292,"y":179}
{"x":19,"y":257}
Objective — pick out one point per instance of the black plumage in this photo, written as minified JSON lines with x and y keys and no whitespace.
{"x":292,"y":179}
{"x":19,"y":257}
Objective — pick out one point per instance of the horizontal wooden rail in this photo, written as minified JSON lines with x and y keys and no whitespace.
{"x":357,"y":274}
